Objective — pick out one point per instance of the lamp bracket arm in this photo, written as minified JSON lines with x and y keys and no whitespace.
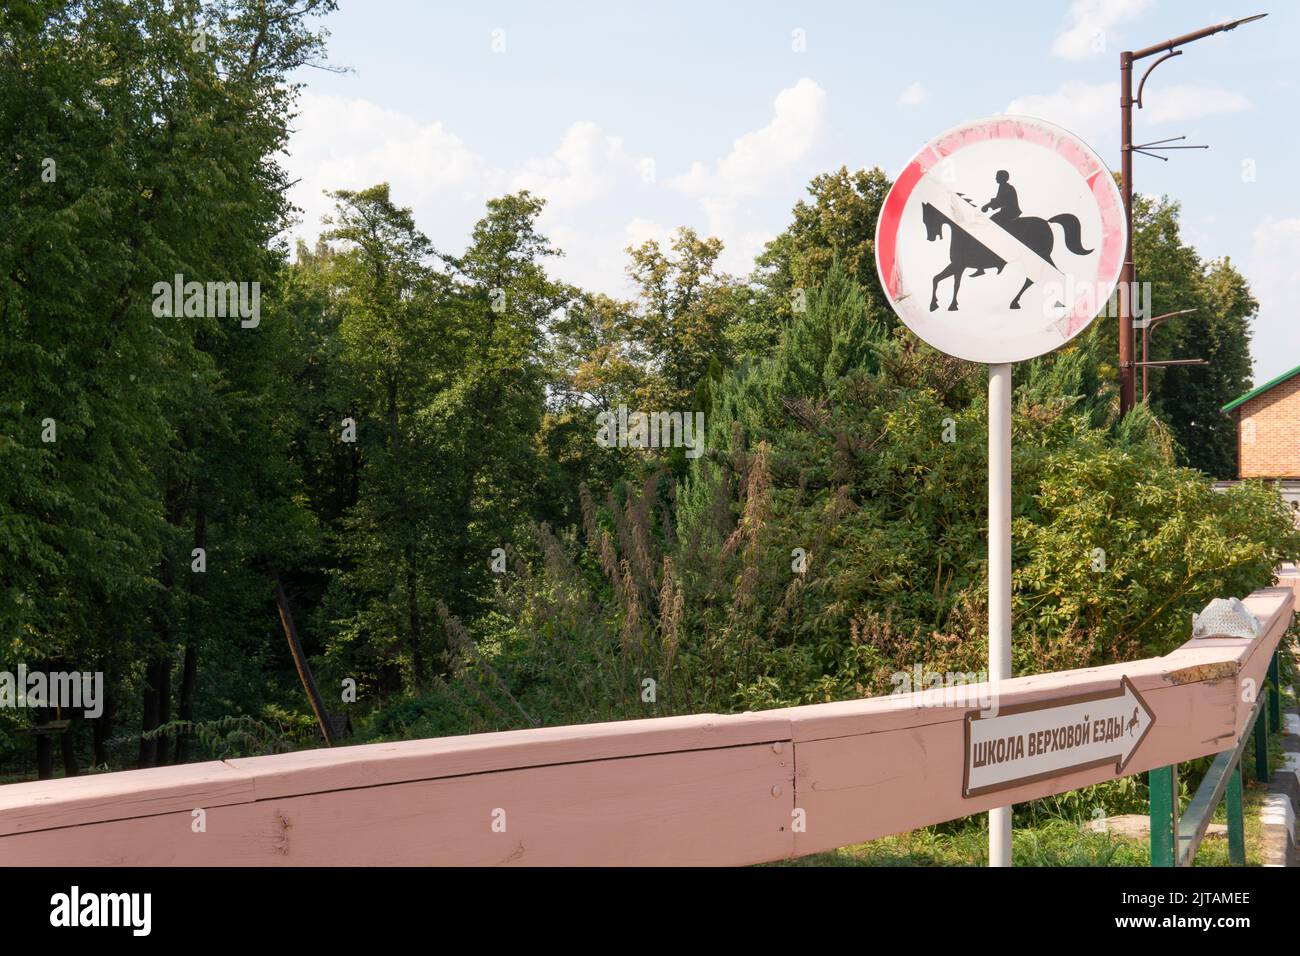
{"x":1143,"y":82}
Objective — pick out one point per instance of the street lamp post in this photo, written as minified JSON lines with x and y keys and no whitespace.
{"x":1127,"y":365}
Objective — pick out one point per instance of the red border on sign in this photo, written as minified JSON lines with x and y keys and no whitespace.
{"x":1033,"y":131}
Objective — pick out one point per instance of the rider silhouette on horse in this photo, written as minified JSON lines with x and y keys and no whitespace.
{"x":1006,"y":202}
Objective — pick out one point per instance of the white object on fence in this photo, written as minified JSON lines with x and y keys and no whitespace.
{"x":1225,"y":617}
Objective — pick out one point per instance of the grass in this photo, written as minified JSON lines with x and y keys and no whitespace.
{"x":1055,"y":842}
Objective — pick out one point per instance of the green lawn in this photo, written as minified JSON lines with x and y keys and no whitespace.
{"x":1052,"y":843}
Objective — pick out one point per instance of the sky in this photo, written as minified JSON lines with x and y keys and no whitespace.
{"x":635,"y":119}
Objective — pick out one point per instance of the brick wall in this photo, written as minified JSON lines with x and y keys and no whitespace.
{"x":1268,"y":433}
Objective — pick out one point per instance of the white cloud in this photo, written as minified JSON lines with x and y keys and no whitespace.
{"x":599,"y":193}
{"x":1090,"y":22}
{"x":760,"y":164}
{"x":914,"y":95}
{"x":588,"y":165}
{"x":352,"y":143}
{"x":763,"y":157}
{"x":1188,"y":102}
{"x":594,"y":255}
{"x":1276,"y":285}
{"x":1091,"y":110}
{"x":1082,"y":108}
{"x":641,"y":230}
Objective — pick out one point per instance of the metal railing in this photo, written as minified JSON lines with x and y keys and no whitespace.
{"x":1176,"y":837}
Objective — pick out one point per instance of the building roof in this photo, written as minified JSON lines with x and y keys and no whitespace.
{"x":1262,"y":389}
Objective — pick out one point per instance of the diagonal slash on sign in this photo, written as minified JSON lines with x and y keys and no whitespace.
{"x":996,"y":239}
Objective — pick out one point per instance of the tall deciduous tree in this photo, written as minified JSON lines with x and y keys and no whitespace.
{"x":837,"y":223}
{"x":683,"y":311}
{"x":142,"y":138}
{"x":1189,"y":398}
{"x":489,"y":420}
{"x":398,"y":357}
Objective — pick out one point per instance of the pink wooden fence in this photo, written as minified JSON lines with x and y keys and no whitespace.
{"x":702,"y":789}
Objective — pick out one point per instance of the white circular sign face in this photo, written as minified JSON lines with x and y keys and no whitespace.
{"x":1001,"y":239}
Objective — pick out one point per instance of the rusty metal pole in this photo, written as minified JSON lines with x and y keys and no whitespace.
{"x":1146,"y":359}
{"x":1127,"y":363}
{"x":1126,"y":367}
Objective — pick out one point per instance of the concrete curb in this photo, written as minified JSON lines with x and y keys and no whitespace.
{"x":1277,"y":816}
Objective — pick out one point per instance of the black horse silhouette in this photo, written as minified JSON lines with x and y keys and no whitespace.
{"x":966,"y":252}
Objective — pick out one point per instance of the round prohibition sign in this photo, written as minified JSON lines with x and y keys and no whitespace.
{"x":1001,"y":239}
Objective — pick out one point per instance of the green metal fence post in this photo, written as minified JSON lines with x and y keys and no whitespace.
{"x":1163,"y":784}
{"x":1261,"y":746}
{"x":1274,"y":693}
{"x":1236,"y":822}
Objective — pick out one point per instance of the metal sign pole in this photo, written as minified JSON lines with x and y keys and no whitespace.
{"x":999,"y":573}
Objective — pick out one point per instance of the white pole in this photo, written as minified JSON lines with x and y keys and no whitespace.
{"x":999,"y":573}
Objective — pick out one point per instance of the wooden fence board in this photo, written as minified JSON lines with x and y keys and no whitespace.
{"x":340,"y":768}
{"x":697,"y":807}
{"x":46,"y":804}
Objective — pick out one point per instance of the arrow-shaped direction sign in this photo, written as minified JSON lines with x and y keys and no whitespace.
{"x":1051,"y":738}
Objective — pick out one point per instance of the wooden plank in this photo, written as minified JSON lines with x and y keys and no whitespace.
{"x":699,"y":807}
{"x":1273,"y":606}
{"x":368,"y":765}
{"x":900,"y":711}
{"x":872,"y":768}
{"x":46,"y":804}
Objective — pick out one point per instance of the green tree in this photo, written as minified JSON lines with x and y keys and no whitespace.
{"x":1189,"y":398}
{"x":831,"y":537}
{"x":122,"y":119}
{"x":682,"y":315}
{"x":839,"y":223}
{"x":488,"y":421}
{"x":399,"y":358}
